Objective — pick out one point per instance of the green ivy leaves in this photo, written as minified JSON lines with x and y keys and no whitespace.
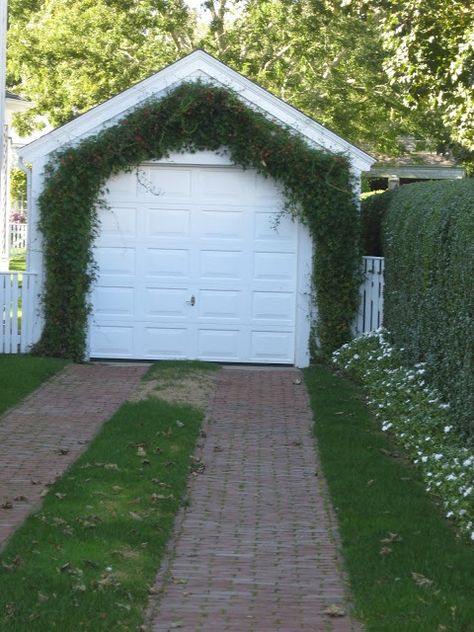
{"x":194,"y":117}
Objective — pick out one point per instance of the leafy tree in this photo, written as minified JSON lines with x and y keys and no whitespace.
{"x":67,"y":56}
{"x":429,"y":48}
{"x":431,"y":58}
{"x":320,"y":56}
{"x":323,"y":56}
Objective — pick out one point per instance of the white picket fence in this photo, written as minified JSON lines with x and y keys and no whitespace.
{"x":370,"y":315}
{"x":18,"y":299}
{"x":18,"y":236}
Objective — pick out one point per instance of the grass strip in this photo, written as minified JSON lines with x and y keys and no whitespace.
{"x":18,"y":262}
{"x":406,"y":568}
{"x":87,"y":559}
{"x":22,"y":374}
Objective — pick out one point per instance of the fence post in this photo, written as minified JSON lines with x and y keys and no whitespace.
{"x":17,"y":301}
{"x":370,"y":314}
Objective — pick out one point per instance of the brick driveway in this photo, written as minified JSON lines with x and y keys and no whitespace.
{"x":256,"y":551}
{"x":43,"y":435}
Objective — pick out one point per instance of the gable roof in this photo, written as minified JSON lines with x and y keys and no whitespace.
{"x":196,"y":65}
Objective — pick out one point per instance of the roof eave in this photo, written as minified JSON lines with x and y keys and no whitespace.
{"x":194,"y":65}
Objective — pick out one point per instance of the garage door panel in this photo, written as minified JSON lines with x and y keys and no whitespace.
{"x":267,"y":189}
{"x":165,"y":342}
{"x":220,"y":264}
{"x":112,"y":341}
{"x":272,"y":346}
{"x":219,"y":304}
{"x":167,"y":263}
{"x":118,"y":221}
{"x":215,"y":344}
{"x":164,"y":183}
{"x":222,"y":224}
{"x":224,"y":184}
{"x":115,"y":261}
{"x":273,"y":306}
{"x":165,"y":302}
{"x":168,"y":222}
{"x":112,"y":301}
{"x":121,"y":187}
{"x":274,"y":266}
{"x":269,"y":226}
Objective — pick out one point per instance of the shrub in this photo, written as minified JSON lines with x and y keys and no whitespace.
{"x":373,"y":208}
{"x":421,"y":423}
{"x":429,"y":287}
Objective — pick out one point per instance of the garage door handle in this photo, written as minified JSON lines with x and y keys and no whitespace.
{"x":191,"y":301}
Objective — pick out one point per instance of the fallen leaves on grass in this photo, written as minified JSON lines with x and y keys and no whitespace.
{"x":385,"y":550}
{"x":156,"y":497}
{"x":421,"y":580}
{"x":391,"y":538}
{"x":15,"y":563}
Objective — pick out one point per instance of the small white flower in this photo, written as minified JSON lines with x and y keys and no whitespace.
{"x":447,"y":428}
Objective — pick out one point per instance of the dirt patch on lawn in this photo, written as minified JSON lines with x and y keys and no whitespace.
{"x":194,"y":388}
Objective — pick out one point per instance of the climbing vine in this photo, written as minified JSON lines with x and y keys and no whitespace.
{"x":194,"y":117}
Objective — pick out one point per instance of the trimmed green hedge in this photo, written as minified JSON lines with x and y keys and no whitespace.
{"x":373,"y":208}
{"x":429,"y":286}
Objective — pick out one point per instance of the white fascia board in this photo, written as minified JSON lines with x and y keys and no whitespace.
{"x":196,"y":65}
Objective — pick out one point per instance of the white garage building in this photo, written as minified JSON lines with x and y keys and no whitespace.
{"x":194,"y":260}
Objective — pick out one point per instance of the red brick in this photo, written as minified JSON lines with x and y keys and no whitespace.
{"x":257,"y":549}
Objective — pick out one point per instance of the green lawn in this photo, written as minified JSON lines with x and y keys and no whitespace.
{"x":18,"y":262}
{"x":407,"y":570}
{"x":22,"y":374}
{"x":87,"y":559}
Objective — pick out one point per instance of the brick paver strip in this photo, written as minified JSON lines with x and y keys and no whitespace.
{"x":257,"y":550}
{"x":43,"y":435}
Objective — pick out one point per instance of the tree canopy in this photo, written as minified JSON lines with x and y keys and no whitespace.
{"x":431,"y":60}
{"x":374,"y":71}
{"x":69,"y":55}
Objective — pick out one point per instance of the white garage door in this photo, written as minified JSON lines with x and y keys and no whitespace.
{"x":192,"y":264}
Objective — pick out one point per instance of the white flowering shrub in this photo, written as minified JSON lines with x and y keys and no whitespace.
{"x":413,"y":412}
